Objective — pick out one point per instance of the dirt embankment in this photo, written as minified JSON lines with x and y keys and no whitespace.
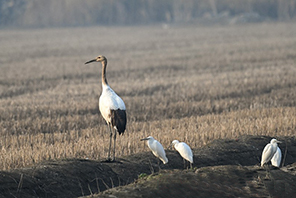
{"x":223,"y":168}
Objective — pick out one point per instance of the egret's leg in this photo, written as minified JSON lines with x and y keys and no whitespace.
{"x":190,"y":165}
{"x":151,"y":167}
{"x":267,"y":169}
{"x":114,"y":145}
{"x":109,"y":157}
{"x":158,"y":164}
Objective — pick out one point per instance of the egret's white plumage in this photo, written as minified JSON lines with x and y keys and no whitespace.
{"x":269,"y":151}
{"x":156,"y":148}
{"x":111,"y":106}
{"x":277,"y":158}
{"x":184,"y":150}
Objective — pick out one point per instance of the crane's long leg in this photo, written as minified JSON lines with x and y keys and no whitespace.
{"x":114,"y":145}
{"x":109,"y":157}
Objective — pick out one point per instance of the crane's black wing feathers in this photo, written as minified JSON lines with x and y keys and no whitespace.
{"x":118,"y":119}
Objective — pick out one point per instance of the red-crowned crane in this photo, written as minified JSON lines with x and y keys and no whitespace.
{"x":111,"y":107}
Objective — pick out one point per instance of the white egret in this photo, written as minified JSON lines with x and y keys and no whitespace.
{"x":156,"y":148}
{"x":111,"y":107}
{"x":184,"y":150}
{"x":268,"y":151}
{"x":277,"y":158}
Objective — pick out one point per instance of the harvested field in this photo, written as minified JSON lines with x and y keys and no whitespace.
{"x":227,"y":168}
{"x":192,"y":83}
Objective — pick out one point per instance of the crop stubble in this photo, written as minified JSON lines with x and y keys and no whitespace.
{"x":189,"y":83}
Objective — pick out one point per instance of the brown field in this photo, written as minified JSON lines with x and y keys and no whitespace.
{"x":195,"y":84}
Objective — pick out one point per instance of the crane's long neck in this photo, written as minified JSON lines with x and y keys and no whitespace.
{"x":104,"y":79}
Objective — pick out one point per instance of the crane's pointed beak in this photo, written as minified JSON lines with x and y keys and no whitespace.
{"x":93,"y":60}
{"x":144,"y":139}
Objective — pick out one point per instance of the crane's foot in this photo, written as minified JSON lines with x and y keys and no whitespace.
{"x":109,"y":160}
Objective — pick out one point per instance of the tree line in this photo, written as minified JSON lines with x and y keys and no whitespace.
{"x":130,"y":12}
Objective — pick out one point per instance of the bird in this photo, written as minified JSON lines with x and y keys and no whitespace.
{"x":184,"y":150}
{"x":111,"y":106}
{"x":156,"y":148}
{"x":269,"y":151}
{"x":277,"y":157}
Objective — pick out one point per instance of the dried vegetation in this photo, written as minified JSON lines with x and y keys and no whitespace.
{"x":195,"y":84}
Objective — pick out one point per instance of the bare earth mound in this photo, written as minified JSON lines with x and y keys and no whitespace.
{"x":216,"y":181}
{"x":224,"y":168}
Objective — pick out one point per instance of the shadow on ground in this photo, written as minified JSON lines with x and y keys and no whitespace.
{"x":223,"y":168}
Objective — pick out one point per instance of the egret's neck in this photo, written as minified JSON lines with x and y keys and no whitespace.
{"x":104,"y":79}
{"x":149,"y":142}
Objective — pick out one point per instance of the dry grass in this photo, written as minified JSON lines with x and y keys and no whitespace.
{"x":190,"y":83}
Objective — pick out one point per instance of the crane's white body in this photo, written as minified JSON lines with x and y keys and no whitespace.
{"x":277,"y":158}
{"x":108,"y":101}
{"x":157,"y":149}
{"x":184,"y":150}
{"x":269,"y":151}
